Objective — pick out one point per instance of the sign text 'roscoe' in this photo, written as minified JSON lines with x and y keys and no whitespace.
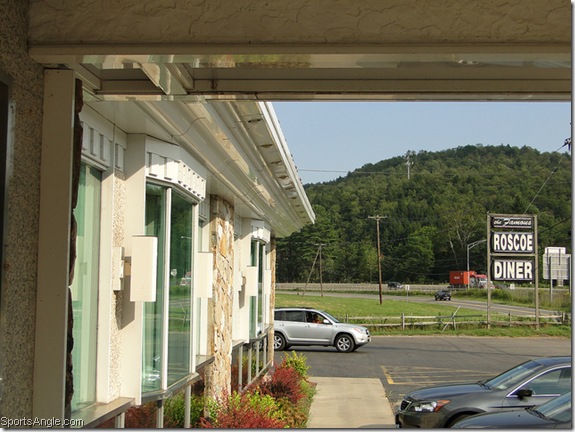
{"x":512,"y":242}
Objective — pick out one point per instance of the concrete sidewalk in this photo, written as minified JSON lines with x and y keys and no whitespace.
{"x":350,"y":403}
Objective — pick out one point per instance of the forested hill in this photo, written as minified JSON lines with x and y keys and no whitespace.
{"x":429,"y":217}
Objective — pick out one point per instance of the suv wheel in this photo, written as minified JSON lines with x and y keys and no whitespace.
{"x":279,"y":342}
{"x":344,"y":343}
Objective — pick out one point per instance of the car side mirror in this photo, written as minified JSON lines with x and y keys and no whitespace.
{"x":524,"y":393}
{"x":326,"y":321}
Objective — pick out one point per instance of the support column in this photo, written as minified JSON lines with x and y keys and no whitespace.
{"x":54,"y":245}
{"x":270,"y":352}
{"x":221,"y":305}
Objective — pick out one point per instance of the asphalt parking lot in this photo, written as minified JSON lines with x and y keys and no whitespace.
{"x":404,"y":363}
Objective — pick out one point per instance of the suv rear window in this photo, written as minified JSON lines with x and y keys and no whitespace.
{"x":298,"y":316}
{"x":289,"y":315}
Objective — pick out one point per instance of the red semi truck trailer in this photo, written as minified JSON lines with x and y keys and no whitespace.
{"x":464,"y":279}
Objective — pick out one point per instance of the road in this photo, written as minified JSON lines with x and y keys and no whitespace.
{"x":404,"y":363}
{"x":469,"y":304}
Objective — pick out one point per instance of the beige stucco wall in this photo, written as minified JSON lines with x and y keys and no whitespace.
{"x":118,"y":228}
{"x":300,"y":21}
{"x":18,"y":298}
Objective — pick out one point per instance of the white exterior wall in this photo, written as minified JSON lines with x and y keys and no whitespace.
{"x":127,"y":162}
{"x":110,"y":159}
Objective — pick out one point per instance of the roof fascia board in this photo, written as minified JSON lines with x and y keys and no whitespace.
{"x":168,"y":53}
{"x":254,"y":145}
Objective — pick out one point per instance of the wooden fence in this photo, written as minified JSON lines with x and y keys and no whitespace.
{"x":454,"y":321}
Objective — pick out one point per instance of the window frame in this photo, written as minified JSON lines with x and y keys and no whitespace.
{"x":163,"y":278}
{"x":91,"y":318}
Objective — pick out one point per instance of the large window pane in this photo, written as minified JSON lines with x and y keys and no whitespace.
{"x":85,"y":287}
{"x":261,"y":256}
{"x":152,"y":350}
{"x":180,"y":288}
{"x":256,"y":302}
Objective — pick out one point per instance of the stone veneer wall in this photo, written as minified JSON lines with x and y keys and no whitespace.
{"x":18,"y":295}
{"x":218,"y":374}
{"x":273,"y":244}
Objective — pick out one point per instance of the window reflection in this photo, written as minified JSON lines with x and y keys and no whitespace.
{"x":85,"y":287}
{"x":180,"y":288}
{"x":152,"y":349}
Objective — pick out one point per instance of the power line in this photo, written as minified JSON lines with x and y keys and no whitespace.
{"x":548,"y":177}
{"x":396,"y":172}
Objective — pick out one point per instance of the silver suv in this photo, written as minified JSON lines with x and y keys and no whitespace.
{"x":305,"y":326}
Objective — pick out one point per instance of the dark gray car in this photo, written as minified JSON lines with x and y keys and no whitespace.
{"x":529,"y":384}
{"x":555,"y":414}
{"x":305,"y":326}
{"x":443,"y":295}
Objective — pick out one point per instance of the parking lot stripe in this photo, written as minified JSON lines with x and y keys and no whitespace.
{"x":387,"y":376}
{"x":401,"y":375}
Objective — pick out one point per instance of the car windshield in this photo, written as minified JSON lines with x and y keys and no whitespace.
{"x":558,"y":409}
{"x":513,"y":376}
{"x":334,"y":319}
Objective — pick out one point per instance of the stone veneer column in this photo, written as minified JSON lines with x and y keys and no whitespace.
{"x":272,"y":299}
{"x":218,"y":374}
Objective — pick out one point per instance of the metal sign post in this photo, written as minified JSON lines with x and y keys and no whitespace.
{"x":488,"y":270}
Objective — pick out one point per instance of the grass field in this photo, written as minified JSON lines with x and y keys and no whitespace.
{"x":345,"y":307}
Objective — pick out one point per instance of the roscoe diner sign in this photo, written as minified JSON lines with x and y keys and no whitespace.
{"x":512,"y":247}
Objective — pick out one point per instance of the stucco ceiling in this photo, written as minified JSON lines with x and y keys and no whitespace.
{"x":299,"y":50}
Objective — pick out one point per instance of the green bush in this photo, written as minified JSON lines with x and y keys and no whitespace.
{"x":296,"y":362}
{"x":174,"y":411}
{"x":500,"y":295}
{"x":294,"y":416}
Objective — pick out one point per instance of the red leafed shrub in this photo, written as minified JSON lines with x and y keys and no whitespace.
{"x":284,"y":382}
{"x":142,"y":416}
{"x":244,"y":412}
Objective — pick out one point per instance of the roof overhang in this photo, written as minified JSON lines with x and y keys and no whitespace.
{"x":444,"y":72}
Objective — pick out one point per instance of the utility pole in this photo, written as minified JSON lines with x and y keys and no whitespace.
{"x":320,"y":245}
{"x":408,"y":162}
{"x":318,"y":254}
{"x":377,"y":219}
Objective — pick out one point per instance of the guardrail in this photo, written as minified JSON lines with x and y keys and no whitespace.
{"x":351,"y":287}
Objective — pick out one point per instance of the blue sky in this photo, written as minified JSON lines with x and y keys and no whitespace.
{"x":329,"y":139}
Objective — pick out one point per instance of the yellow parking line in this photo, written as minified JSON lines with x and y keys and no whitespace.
{"x":387,"y":376}
{"x":424,"y":375}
